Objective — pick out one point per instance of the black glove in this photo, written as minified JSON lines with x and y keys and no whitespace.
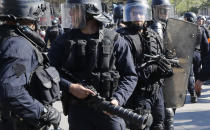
{"x":162,"y":69}
{"x":51,"y":116}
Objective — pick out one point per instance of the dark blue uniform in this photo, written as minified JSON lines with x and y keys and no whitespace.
{"x":17,"y":61}
{"x":81,"y":118}
{"x":52,"y":33}
{"x":199,"y":54}
{"x":205,"y":71}
{"x":148,"y":95}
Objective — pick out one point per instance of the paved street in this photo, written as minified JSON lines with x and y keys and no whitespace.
{"x":194,"y":116}
{"x":190,"y":117}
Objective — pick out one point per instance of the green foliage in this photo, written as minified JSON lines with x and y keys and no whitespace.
{"x":188,"y":5}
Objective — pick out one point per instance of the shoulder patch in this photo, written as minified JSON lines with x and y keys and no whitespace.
{"x":19,"y":69}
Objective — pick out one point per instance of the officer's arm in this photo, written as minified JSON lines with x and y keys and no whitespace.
{"x":205,"y":71}
{"x":17,"y":63}
{"x":204,"y":45}
{"x":126,"y":68}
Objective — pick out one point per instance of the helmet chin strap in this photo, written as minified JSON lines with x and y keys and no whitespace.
{"x":135,"y":26}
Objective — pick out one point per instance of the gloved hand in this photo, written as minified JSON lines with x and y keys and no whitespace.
{"x":51,"y":116}
{"x":162,"y":69}
{"x":156,"y":69}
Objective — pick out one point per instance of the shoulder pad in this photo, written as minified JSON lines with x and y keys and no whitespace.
{"x":150,"y":32}
{"x":110,"y":34}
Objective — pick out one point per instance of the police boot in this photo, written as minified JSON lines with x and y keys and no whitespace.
{"x":194,"y":97}
{"x":169,"y":119}
{"x":158,"y":128}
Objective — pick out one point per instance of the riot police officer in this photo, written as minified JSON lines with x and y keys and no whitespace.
{"x":200,"y":53}
{"x":160,"y":14}
{"x":53,"y":32}
{"x":147,"y":96}
{"x":95,"y":56}
{"x":118,"y":16}
{"x":24,"y":69}
{"x":201,"y":20}
{"x":191,"y":17}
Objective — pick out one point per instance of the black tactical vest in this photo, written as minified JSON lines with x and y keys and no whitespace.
{"x":92,"y":61}
{"x":44,"y":80}
{"x":53,"y":33}
{"x":147,"y":42}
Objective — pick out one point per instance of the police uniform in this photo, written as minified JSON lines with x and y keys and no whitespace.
{"x":147,"y":97}
{"x":23,"y":68}
{"x":18,"y":63}
{"x":205,"y":71}
{"x":161,"y":8}
{"x":200,"y":53}
{"x":52,"y":33}
{"x":59,"y":54}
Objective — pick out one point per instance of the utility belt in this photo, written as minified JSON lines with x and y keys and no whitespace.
{"x":9,"y":118}
{"x":18,"y":123}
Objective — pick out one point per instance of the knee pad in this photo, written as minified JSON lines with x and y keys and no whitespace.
{"x":169,"y":112}
{"x":158,"y":127}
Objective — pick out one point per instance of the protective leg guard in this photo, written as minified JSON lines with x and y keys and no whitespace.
{"x":169,"y":119}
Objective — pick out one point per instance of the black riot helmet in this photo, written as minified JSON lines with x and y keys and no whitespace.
{"x":118,"y":13}
{"x":76,"y":12}
{"x":95,"y":6}
{"x":190,"y":17}
{"x":161,"y":10}
{"x":27,"y":10}
{"x":137,"y":10}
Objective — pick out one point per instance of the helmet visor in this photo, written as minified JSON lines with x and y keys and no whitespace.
{"x":73,"y":15}
{"x":162,"y":12}
{"x":136,"y":12}
{"x":44,"y":15}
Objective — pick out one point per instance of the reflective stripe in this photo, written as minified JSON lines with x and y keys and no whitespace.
{"x":208,"y":40}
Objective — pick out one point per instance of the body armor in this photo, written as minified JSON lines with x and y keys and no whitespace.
{"x":159,"y":28}
{"x":92,"y":61}
{"x":141,"y":44}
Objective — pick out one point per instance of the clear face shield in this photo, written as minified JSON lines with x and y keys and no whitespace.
{"x":135,"y":12}
{"x":73,"y":15}
{"x":44,"y":14}
{"x":162,"y":12}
